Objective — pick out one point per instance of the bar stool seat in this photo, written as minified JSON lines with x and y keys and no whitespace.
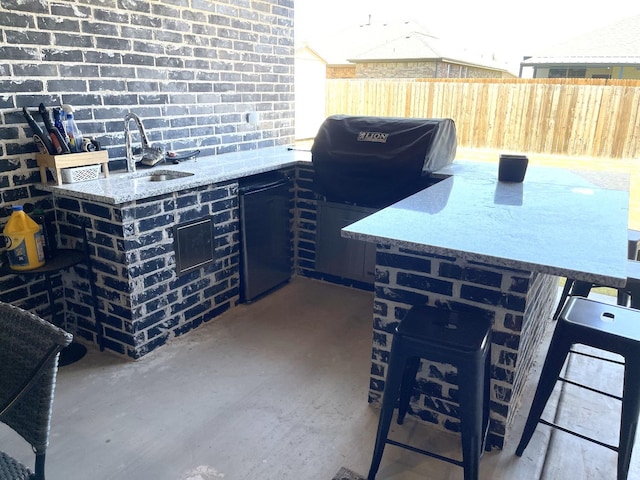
{"x":449,"y":337}
{"x":607,"y":327}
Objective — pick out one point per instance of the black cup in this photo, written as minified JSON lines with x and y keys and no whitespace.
{"x":512,"y":168}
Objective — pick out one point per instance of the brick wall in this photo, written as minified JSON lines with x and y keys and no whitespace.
{"x":191,"y":74}
{"x":421,"y":70}
{"x":342,"y":71}
{"x":306,"y":211}
{"x":142,"y":303}
{"x":517,"y":302}
{"x":190,"y":70}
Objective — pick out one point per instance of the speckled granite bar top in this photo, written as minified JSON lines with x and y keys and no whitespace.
{"x":565,"y":223}
{"x":121,"y":188}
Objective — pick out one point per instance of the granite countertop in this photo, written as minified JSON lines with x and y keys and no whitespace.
{"x":560,"y":222}
{"x":124,"y":187}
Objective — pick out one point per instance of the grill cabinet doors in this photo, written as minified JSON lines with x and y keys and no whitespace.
{"x":343,"y":257}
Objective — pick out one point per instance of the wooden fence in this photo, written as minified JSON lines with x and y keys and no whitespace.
{"x":594,"y":118}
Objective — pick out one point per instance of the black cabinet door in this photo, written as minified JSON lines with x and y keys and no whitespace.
{"x":266,"y":240}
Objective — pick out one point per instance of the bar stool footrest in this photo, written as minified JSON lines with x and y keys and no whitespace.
{"x":597,"y":357}
{"x":579,"y":435}
{"x":424,"y":452}
{"x":591,"y":389}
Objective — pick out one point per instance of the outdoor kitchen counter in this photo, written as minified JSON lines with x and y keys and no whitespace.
{"x":491,"y":250}
{"x":557,"y":221}
{"x":123,"y":187}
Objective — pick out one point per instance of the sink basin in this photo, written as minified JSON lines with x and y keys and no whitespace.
{"x":161,"y":175}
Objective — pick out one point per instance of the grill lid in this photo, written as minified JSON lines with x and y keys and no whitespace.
{"x":375,"y":161}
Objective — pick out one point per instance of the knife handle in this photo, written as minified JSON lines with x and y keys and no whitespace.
{"x":58,"y":142}
{"x":38,"y":131}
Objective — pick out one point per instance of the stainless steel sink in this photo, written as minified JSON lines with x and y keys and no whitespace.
{"x":161,"y":175}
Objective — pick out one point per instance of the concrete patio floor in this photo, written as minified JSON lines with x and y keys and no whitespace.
{"x":278,"y":390}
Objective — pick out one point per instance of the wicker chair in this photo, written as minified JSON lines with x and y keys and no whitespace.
{"x":29,"y":348}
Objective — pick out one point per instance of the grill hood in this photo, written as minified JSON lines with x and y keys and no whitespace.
{"x":376,"y":161}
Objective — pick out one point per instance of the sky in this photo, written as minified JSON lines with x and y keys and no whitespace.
{"x":509,"y":28}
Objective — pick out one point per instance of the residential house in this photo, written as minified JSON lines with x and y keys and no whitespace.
{"x":403,"y":49}
{"x":609,"y":52}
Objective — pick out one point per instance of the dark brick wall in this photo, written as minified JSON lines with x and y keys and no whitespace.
{"x":192,"y":73}
{"x":306,"y":213}
{"x":517,"y":302}
{"x":142,"y":302}
{"x":190,"y":70}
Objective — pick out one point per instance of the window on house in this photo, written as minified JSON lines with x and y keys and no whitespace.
{"x":567,"y":72}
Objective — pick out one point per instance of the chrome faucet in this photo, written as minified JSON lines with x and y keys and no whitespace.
{"x":146,"y":153}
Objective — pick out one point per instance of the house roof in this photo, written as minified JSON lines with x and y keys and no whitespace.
{"x":394,"y":41}
{"x":407,"y":45}
{"x":614,"y":44}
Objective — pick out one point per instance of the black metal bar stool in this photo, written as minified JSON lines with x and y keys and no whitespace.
{"x":629,"y":295}
{"x":449,"y":337}
{"x":581,"y":289}
{"x":607,"y":327}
